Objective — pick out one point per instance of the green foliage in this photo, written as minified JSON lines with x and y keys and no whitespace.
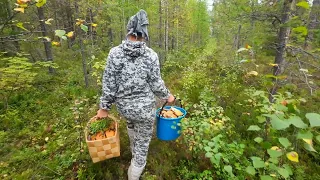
{"x":284,"y":142}
{"x":100,"y":125}
{"x":11,"y":120}
{"x":189,"y":170}
{"x":250,"y":170}
{"x":20,"y":25}
{"x":97,"y":72}
{"x":207,"y":131}
{"x":281,"y":116}
{"x":303,"y":4}
{"x":299,"y":33}
{"x":16,"y":73}
{"x":254,"y":128}
{"x":60,"y":33}
{"x":301,"y":29}
{"x":314,"y":119}
{"x":258,"y":139}
{"x":84,"y":28}
{"x":40,"y":3}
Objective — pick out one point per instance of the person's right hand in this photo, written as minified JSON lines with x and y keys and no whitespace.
{"x":171,"y":99}
{"x":102,"y":113}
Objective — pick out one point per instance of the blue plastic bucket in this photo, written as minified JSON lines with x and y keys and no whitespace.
{"x":169,"y":128}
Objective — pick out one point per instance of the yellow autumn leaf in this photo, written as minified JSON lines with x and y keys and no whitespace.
{"x":19,"y":9}
{"x":79,"y":22}
{"x":23,"y":5}
{"x":94,"y":25}
{"x":22,"y":1}
{"x":255,"y":73}
{"x":271,"y":64}
{"x":308,"y":141}
{"x":70,"y":34}
{"x":48,"y":21}
{"x":20,"y":25}
{"x":293,"y":156}
{"x":248,"y":46}
{"x":276,"y":148}
{"x":55,"y":43}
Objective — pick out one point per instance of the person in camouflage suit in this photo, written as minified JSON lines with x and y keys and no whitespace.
{"x":131,"y":80}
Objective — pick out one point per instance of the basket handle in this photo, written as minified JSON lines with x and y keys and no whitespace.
{"x":175,"y":99}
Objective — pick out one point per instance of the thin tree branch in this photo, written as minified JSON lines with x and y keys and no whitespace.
{"x":305,"y":76}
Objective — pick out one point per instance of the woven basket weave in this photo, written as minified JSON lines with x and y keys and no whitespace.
{"x":103,"y":149}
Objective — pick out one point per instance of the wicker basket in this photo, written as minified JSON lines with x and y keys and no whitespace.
{"x":103,"y":149}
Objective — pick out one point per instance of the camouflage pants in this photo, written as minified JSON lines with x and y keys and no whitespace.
{"x":140,"y":118}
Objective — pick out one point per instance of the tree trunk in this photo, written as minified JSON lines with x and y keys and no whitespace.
{"x":166,"y":43}
{"x":314,"y":23}
{"x":160,"y":32}
{"x":252,"y":22}
{"x":14,"y":28}
{"x":79,"y":34}
{"x":56,"y":9}
{"x":93,"y":30}
{"x":47,"y":44}
{"x":198,"y":33}
{"x":173,"y":25}
{"x":69,"y":14}
{"x":236,"y":43}
{"x":122,"y":34}
{"x":2,"y":46}
{"x":93,"y":36}
{"x":110,"y":32}
{"x":283,"y":37}
{"x":160,"y":25}
{"x":70,"y":22}
{"x":65,"y":17}
{"x":177,"y":9}
{"x":3,"y":8}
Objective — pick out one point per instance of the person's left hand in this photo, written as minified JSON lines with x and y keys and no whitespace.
{"x":171,"y":99}
{"x":102,"y":113}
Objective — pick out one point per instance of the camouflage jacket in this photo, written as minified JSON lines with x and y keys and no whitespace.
{"x":132,"y":76}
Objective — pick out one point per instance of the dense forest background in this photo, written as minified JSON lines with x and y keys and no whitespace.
{"x":248,"y":72}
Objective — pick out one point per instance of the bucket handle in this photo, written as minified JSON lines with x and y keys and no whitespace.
{"x":175,"y":99}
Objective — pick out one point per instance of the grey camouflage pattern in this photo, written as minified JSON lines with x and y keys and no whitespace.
{"x":142,"y":136}
{"x":132,"y":77}
{"x":138,"y":24}
{"x":131,"y":80}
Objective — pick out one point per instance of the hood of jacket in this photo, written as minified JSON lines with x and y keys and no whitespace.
{"x":133,"y":49}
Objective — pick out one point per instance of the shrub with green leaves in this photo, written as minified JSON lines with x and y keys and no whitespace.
{"x":209,"y":131}
{"x":281,"y":131}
